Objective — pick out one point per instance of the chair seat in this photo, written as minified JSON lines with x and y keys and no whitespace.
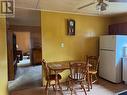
{"x":53,"y":77}
{"x":92,"y":71}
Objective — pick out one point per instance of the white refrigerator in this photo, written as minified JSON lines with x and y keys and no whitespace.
{"x":111,"y":51}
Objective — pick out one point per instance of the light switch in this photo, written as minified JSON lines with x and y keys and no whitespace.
{"x":62,"y":45}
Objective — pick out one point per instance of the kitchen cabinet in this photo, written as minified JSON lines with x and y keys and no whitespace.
{"x":118,"y":29}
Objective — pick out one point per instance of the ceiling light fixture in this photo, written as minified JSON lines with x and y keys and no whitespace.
{"x":101,"y":6}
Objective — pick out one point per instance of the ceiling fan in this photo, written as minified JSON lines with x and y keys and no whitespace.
{"x":101,"y":5}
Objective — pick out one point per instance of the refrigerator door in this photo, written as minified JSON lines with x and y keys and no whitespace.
{"x":125,"y":69}
{"x":108,"y":66}
{"x":108,"y":42}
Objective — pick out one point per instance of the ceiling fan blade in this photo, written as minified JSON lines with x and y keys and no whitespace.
{"x":117,"y":0}
{"x":86,"y":5}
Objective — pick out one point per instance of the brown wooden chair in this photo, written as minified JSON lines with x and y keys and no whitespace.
{"x":93,"y":70}
{"x":77,"y":75}
{"x":50,"y":77}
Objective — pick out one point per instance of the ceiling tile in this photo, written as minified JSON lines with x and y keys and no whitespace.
{"x":25,"y":3}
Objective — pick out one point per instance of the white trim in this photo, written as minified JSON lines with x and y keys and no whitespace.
{"x":87,"y":14}
{"x":29,"y":8}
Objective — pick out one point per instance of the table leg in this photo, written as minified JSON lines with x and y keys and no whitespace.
{"x":56,"y":80}
{"x":57,"y":83}
{"x":88,"y":79}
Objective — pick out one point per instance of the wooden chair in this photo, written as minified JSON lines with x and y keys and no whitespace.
{"x":93,"y":70}
{"x":77,"y":75}
{"x":50,"y":77}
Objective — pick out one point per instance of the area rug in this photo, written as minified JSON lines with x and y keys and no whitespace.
{"x":24,"y":62}
{"x":26,"y":77}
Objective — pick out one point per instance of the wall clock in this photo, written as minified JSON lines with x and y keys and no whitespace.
{"x":71,"y":27}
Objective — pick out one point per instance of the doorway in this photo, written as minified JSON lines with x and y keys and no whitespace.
{"x":24,"y":50}
{"x":26,"y":57}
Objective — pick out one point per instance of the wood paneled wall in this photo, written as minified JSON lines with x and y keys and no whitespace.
{"x":23,"y":41}
{"x":35,"y":39}
{"x":35,"y":34}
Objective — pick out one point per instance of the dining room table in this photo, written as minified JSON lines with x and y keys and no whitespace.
{"x":64,"y":65}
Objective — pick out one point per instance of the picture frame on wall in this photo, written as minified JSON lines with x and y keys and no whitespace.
{"x":70,"y":27}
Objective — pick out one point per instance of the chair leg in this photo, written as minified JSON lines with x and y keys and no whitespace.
{"x":60,"y":87}
{"x":46,"y":88}
{"x":83,"y":88}
{"x":49,"y":83}
{"x":91,"y":80}
{"x":96,"y":76}
{"x":68,"y":84}
{"x":71,"y":90}
{"x":71,"y":87}
{"x":59,"y":84}
{"x":88,"y":81}
{"x":53,"y":87}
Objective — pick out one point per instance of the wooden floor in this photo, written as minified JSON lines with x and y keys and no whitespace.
{"x":102,"y":87}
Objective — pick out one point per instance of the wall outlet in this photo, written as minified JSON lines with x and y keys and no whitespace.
{"x":62,"y":45}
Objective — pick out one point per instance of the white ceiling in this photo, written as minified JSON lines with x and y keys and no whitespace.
{"x":71,"y":6}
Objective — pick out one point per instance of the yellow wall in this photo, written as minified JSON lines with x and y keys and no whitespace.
{"x":3,"y":58}
{"x":88,"y":29}
{"x":85,"y":41}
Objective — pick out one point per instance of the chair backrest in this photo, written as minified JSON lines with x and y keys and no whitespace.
{"x":46,"y":69}
{"x":77,"y":71}
{"x":94,"y":61}
{"x":86,"y":58}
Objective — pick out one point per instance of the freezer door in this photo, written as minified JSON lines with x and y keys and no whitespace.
{"x":108,"y":42}
{"x":108,"y":66}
